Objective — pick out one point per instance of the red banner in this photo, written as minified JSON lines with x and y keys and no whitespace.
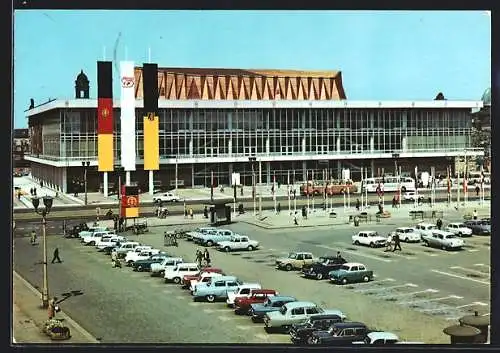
{"x":105,"y":116}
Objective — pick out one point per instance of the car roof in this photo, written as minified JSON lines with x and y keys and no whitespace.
{"x":405,"y":228}
{"x":324,"y":317}
{"x":354,"y":264}
{"x":282,"y":298}
{"x":382,"y":335}
{"x":188,"y":264}
{"x":226,"y":278}
{"x":211,"y":269}
{"x":426,"y":224}
{"x":250,"y":285}
{"x":455,"y":223}
{"x":298,"y":304}
{"x":443,"y":232}
{"x":263,"y":291}
{"x":172,"y":259}
{"x":349,"y":324}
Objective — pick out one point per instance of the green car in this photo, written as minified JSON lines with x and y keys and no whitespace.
{"x":351,"y":272}
{"x":145,"y":265}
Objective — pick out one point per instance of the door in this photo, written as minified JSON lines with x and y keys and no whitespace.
{"x":354,"y":273}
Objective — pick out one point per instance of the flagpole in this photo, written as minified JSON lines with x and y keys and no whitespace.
{"x":294,"y":194}
{"x":416,"y":186}
{"x":382,"y":190}
{"x":260,"y":187}
{"x":399,"y":194}
{"x":312,"y":183}
{"x":307,"y":188}
{"x":253,"y":191}
{"x":274,"y":193}
{"x":366,"y":189}
{"x":288,"y":191}
{"x":361,"y":186}
{"x":481,"y":200}
{"x":212,"y":185}
{"x":466,"y":193}
{"x":458,"y":187}
{"x":325,"y":195}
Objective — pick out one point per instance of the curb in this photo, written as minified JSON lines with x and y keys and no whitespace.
{"x":66,"y":318}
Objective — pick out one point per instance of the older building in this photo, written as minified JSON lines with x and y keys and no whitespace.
{"x":20,"y":147}
{"x":216,"y":119}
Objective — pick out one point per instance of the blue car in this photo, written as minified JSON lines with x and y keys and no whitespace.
{"x":259,"y":310}
{"x":217,"y":288}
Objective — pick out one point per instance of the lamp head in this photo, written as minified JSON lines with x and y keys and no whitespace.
{"x":47,"y":201}
{"x":35,"y":201}
{"x":88,"y":163}
{"x":83,"y":164}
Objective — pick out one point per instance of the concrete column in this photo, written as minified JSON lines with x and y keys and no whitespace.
{"x":304,"y":170}
{"x":105,"y":184}
{"x":372,"y":165}
{"x":338,"y":144}
{"x":190,"y":147}
{"x":64,"y":182}
{"x":268,"y":173}
{"x":303,"y":145}
{"x":151,"y":182}
{"x":268,"y":148}
{"x":127,"y":178}
{"x":192,"y":175}
{"x":230,"y":146}
{"x":339,"y":169}
{"x":404,"y":144}
{"x":372,"y":143}
{"x":230,"y":170}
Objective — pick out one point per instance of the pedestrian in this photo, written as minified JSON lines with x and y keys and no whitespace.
{"x":304,"y":212}
{"x":477,"y":190}
{"x":199,"y":257}
{"x":41,"y":183}
{"x":358,"y":204}
{"x":397,"y":243}
{"x":388,"y":242}
{"x":120,"y":224}
{"x":205,"y":212}
{"x":295,"y":219}
{"x":33,"y":237}
{"x":31,"y":191}
{"x":394,"y":202}
{"x":191,"y":212}
{"x":165,"y":238}
{"x":206,"y":257}
{"x":185,"y":212}
{"x":56,"y":256}
{"x":474,"y":214}
{"x":439,"y":223}
{"x":52,"y":308}
{"x":241,"y":190}
{"x":278,"y":208}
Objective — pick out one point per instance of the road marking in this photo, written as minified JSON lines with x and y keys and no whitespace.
{"x":461,"y":277}
{"x":473,"y":250}
{"x":482,"y":265}
{"x":432,"y":300}
{"x":487,"y":314}
{"x":194,"y":304}
{"x":167,"y":291}
{"x":208,"y":311}
{"x":356,"y":253}
{"x":180,"y":297}
{"x":409,"y":294}
{"x":472,"y":304}
{"x":469,"y":270}
{"x":224,"y":318}
{"x":385,"y":288}
{"x":244,"y":328}
{"x":261,"y":336}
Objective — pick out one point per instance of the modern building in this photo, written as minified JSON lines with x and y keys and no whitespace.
{"x":219,"y":119}
{"x":20,"y":147}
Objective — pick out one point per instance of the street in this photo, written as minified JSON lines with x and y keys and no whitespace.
{"x":416,"y":292}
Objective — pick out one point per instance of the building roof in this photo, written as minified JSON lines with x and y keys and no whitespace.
{"x":248,"y":84}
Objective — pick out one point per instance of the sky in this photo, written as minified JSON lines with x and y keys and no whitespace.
{"x":383,"y":55}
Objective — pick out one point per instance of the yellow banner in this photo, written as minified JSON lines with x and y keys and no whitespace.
{"x":105,"y":152}
{"x":151,"y":142}
{"x":132,"y":212}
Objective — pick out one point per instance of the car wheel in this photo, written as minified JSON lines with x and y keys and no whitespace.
{"x":139,"y":268}
{"x":227,"y":249}
{"x":366,"y":279}
{"x":356,"y":242}
{"x":310,"y":340}
{"x":209,"y":243}
{"x":319,"y":276}
{"x":250,"y":248}
{"x":443,"y":247}
{"x":288,"y":267}
{"x":426,"y":243}
{"x":130,"y":263}
{"x":92,"y":243}
{"x":344,"y":281}
{"x":460,"y":234}
{"x":162,"y":273}
{"x":177,"y":280}
{"x":406,"y":240}
{"x":210,"y":298}
{"x":403,"y":189}
{"x":372,"y":245}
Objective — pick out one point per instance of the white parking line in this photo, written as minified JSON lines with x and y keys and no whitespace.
{"x":432,"y":300}
{"x":473,"y":250}
{"x":487,"y":314}
{"x":472,"y":304}
{"x":461,"y":277}
{"x":483,"y":265}
{"x":356,"y":253}
{"x":410,"y":294}
{"x":225,"y":318}
{"x":181,"y":297}
{"x":469,"y":270}
{"x":371,"y":289}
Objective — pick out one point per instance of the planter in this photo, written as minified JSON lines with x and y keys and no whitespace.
{"x":56,"y":330}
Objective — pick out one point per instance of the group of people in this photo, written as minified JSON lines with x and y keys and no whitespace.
{"x":203,"y":256}
{"x":393,"y":237}
{"x":188,"y":212}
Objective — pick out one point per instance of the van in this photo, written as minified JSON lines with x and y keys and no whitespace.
{"x":180,"y":270}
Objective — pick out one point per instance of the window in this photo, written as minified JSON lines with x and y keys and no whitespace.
{"x":298,"y":311}
{"x":360,"y":331}
{"x":193,"y":269}
{"x":232,"y":284}
{"x":300,"y":257}
{"x":308,"y":256}
{"x":245,"y":291}
{"x":219,"y":284}
{"x":348,"y":332}
{"x":311,"y":311}
{"x":277,"y":304}
{"x":362,"y":268}
{"x":354,"y":268}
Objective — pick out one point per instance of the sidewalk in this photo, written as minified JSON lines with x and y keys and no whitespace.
{"x":28,"y":317}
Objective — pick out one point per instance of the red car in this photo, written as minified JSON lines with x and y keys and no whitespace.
{"x":186,"y":281}
{"x":242,"y":304}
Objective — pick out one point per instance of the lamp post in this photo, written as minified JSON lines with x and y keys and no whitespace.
{"x":252,"y":162}
{"x":85,"y":166}
{"x":47,"y":201}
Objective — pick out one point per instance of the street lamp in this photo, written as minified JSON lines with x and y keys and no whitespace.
{"x":85,"y":166}
{"x":47,"y":201}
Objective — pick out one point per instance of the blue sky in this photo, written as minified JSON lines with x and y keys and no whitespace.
{"x":383,"y":55}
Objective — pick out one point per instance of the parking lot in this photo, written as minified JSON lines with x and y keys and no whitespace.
{"x":421,"y":285}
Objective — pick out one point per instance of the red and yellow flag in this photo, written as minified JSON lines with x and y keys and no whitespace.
{"x":151,"y":119}
{"x":105,"y":150}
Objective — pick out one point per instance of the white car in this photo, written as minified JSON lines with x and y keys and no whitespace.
{"x":95,"y":237}
{"x":443,"y":239}
{"x":111,"y":240}
{"x":459,"y":229}
{"x":133,"y":256}
{"x":243,"y":290}
{"x":238,"y":242}
{"x":205,"y":277}
{"x":91,"y":230}
{"x":425,"y":229}
{"x":370,"y":238}
{"x":408,"y":234}
{"x":166,"y":197}
{"x":158,"y":269}
{"x":412,"y":196}
{"x":177,"y":273}
{"x":195,"y":233}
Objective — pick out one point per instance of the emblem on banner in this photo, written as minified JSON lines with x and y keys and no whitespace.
{"x":151,"y":116}
{"x":127,"y":82}
{"x":105,"y":113}
{"x":132,"y":201}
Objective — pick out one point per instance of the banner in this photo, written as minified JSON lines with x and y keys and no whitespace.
{"x":151,"y":120}
{"x":127,"y":118}
{"x":105,"y":150}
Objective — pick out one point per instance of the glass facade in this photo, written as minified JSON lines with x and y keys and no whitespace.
{"x":197,"y":133}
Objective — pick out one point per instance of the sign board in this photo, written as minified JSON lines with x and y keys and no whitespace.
{"x":346,"y":174}
{"x":235,"y":179}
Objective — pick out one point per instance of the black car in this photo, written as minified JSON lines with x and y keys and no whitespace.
{"x":341,"y":333}
{"x":320,"y":270}
{"x":302,"y":333}
{"x":73,"y":231}
{"x":479,"y":227}
{"x":320,"y":260}
{"x":145,"y":265}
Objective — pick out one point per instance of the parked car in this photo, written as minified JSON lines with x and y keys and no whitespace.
{"x":205,"y":278}
{"x":302,"y":333}
{"x":190,"y":235}
{"x":370,"y":238}
{"x":110,"y":240}
{"x":242,"y":290}
{"x":124,"y":248}
{"x":408,"y":234}
{"x":213,"y":237}
{"x":93,"y":238}
{"x":73,"y":232}
{"x":379,"y":338}
{"x":158,"y":269}
{"x":459,"y":229}
{"x":90,"y":231}
{"x":176,"y":273}
{"x":412,"y":196}
{"x":351,"y":272}
{"x":340,"y":333}
{"x":443,"y":240}
{"x":166,"y":197}
{"x":424,"y":228}
{"x":242,"y":305}
{"x":133,"y":256}
{"x":216,"y":289}
{"x":238,"y":242}
{"x":145,"y":264}
{"x":186,"y":280}
{"x":295,"y":260}
{"x":320,"y":270}
{"x":258,"y":311}
{"x":479,"y":227}
{"x":295,"y":313}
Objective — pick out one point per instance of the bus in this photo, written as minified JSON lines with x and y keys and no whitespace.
{"x":388,"y":184}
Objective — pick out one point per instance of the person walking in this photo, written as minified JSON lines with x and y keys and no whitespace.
{"x":206,"y":257}
{"x":388,"y":242}
{"x":52,"y":308}
{"x":33,"y":237}
{"x":191,"y":214}
{"x":295,"y":219}
{"x":439,"y":223}
{"x":397,"y":243}
{"x":165,"y":239}
{"x":199,"y":257}
{"x":358,"y":204}
{"x":477,"y":190}
{"x":56,"y":256}
{"x":278,"y":208}
{"x":185,"y":212}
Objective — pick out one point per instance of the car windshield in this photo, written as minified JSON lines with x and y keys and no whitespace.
{"x":450,"y":236}
{"x":461,"y":225}
{"x":292,"y":255}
